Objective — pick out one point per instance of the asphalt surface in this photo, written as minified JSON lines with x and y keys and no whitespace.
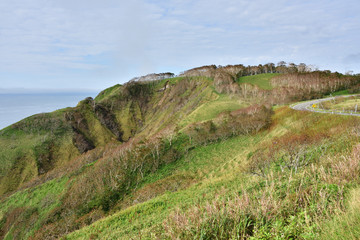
{"x":307,"y":106}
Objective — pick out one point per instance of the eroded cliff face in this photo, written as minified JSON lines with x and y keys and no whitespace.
{"x":141,"y":107}
{"x":138,"y":108}
{"x":108,"y":120}
{"x":79,"y":123}
{"x":79,"y":127}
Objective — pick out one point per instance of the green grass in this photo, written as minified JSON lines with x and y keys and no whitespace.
{"x":146,"y":217}
{"x":344,"y":225}
{"x":339,"y":93}
{"x":19,"y":155}
{"x":18,"y":161}
{"x":208,"y":161}
{"x":103,"y":95}
{"x":33,"y":197}
{"x":22,"y":143}
{"x":211,"y":109}
{"x":39,"y":200}
{"x":18,"y":146}
{"x":260,"y":80}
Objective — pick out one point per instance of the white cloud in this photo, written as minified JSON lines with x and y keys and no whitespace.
{"x":352,"y":58}
{"x":97,"y":43}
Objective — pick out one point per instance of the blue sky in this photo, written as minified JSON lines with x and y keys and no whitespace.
{"x":94,"y":44}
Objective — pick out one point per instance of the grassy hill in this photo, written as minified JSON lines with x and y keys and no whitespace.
{"x":201,"y":156}
{"x":223,"y":197}
{"x":261,"y":80}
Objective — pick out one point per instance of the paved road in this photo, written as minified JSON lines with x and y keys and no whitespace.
{"x":307,"y":106}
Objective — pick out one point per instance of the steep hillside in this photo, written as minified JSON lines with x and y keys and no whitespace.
{"x":206,"y":155}
{"x":45,"y":142}
{"x":283,"y":183}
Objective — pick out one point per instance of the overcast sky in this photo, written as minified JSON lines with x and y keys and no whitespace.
{"x":94,"y":44}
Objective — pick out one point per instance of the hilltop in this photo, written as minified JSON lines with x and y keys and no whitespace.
{"x":214,"y":152}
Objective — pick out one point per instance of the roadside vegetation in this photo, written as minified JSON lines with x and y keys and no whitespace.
{"x":342,"y":104}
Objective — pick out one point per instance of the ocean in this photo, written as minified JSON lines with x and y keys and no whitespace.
{"x":15,"y":107}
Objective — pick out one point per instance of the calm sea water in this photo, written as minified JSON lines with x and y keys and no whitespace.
{"x":14,"y":107}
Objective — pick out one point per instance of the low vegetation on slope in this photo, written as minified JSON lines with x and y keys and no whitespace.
{"x":200,"y":156}
{"x":286,"y":182}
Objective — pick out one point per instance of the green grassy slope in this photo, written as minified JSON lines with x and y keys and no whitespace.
{"x":32,"y":147}
{"x":143,"y":116}
{"x":209,"y":170}
{"x":211,"y":109}
{"x":31,"y":205}
{"x":45,"y":142}
{"x":260,"y":80}
{"x":344,"y":225}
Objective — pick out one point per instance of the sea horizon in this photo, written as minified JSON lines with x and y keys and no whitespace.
{"x":15,"y":106}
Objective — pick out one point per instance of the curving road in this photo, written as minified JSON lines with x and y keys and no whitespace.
{"x":307,"y":106}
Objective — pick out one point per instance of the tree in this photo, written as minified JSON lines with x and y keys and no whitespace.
{"x":281,"y":64}
{"x":270,"y":67}
{"x":292,"y":68}
{"x":350,"y":72}
{"x":301,"y":67}
{"x":281,"y":67}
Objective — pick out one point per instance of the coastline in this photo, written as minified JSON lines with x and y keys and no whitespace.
{"x":17,"y":106}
